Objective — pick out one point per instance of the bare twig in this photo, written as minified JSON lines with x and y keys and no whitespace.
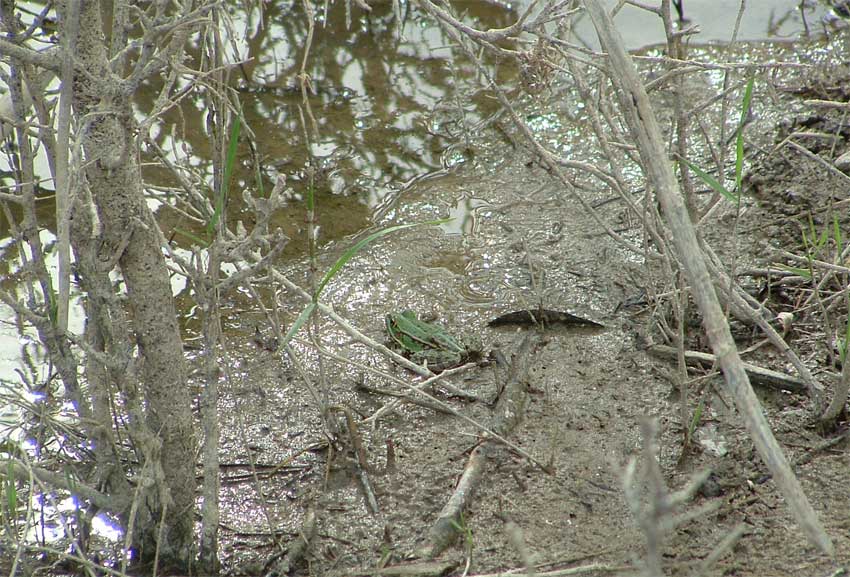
{"x":510,"y":410}
{"x":641,"y":119}
{"x":758,"y":375}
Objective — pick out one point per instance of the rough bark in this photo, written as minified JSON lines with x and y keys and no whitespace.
{"x":126,"y":237}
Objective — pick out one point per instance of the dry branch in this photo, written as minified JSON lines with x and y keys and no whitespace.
{"x":657,"y":167}
{"x":298,"y":548}
{"x":758,"y":375}
{"x":509,"y":411}
{"x":416,"y":569}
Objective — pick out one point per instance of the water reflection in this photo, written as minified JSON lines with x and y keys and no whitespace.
{"x":383,"y":106}
{"x":464,"y":216}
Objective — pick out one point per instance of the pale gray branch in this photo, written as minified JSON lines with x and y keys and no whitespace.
{"x":642,"y":123}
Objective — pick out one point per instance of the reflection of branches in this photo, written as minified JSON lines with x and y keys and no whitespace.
{"x":488,"y":38}
{"x":363,"y":94}
{"x":548,"y":159}
{"x":303,"y":77}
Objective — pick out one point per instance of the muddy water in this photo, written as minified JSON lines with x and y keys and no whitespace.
{"x":381,"y":110}
{"x":385,"y":98}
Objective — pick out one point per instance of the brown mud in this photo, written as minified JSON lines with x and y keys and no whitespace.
{"x":527,"y":243}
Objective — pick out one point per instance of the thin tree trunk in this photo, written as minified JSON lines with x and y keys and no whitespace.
{"x":128,"y":238}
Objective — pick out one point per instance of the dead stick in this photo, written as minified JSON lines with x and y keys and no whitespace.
{"x":508,"y":414}
{"x":362,"y":462}
{"x":758,"y":375}
{"x":298,"y":548}
{"x":406,"y":569}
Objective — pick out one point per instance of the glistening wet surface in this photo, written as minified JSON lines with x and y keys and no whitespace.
{"x":518,"y":241}
{"x":526,"y":241}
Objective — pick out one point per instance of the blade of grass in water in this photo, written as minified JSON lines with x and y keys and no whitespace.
{"x":299,"y":322}
{"x":351,"y":251}
{"x":193,"y":237}
{"x":341,"y":262}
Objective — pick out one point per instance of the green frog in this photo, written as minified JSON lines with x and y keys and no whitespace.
{"x":428,"y":344}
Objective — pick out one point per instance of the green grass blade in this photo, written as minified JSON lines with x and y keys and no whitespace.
{"x":801,"y":272}
{"x":695,"y":419}
{"x":836,"y":234}
{"x":353,"y":250}
{"x":299,"y":322}
{"x":712,"y":182}
{"x":843,"y":351}
{"x":814,"y":240}
{"x":11,"y":491}
{"x":229,"y":162}
{"x":824,"y":237}
{"x":739,"y":141}
{"x":193,"y":237}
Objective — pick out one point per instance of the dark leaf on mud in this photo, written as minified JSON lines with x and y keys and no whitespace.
{"x":542,"y":316}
